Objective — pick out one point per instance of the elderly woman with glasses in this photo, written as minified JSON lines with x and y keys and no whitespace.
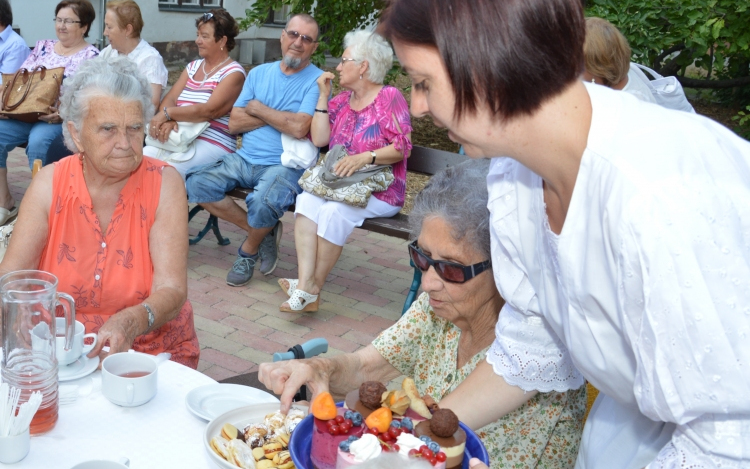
{"x":110,"y":223}
{"x":73,"y":19}
{"x":205,"y":92}
{"x":448,"y":330}
{"x":371,"y":121}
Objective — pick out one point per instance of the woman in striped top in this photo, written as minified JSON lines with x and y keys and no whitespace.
{"x":206,"y":91}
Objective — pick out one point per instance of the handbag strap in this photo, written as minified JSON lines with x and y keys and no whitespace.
{"x":24,"y":73}
{"x":651,"y":72}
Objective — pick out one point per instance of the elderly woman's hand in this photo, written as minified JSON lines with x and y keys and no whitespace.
{"x":285,"y":378}
{"x":154,"y":126}
{"x":325,"y":83}
{"x":53,"y":117}
{"x":169,"y":126}
{"x":352,"y":163}
{"x":120,"y":330}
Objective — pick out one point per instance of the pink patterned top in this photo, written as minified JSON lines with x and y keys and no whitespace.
{"x":383,"y":122}
{"x":44,"y":54}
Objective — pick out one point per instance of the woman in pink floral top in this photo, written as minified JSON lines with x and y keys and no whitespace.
{"x":372,"y":122}
{"x":44,"y":140}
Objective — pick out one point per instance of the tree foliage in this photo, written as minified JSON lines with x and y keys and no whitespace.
{"x":670,"y":35}
{"x":335,"y":18}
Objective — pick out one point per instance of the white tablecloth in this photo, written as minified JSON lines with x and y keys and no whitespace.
{"x":160,"y":434}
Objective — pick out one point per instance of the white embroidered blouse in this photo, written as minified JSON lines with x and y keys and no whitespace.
{"x":646,"y":291}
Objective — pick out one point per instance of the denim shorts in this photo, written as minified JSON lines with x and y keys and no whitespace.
{"x":274,"y":187}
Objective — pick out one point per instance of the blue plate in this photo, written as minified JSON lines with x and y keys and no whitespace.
{"x":300,"y":444}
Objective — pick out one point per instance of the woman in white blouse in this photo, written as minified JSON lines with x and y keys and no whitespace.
{"x":620,"y":235}
{"x":122,"y":26}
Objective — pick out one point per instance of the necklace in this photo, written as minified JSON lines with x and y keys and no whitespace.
{"x":205,"y":74}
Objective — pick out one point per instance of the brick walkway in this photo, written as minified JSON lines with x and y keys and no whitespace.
{"x":239,"y":328}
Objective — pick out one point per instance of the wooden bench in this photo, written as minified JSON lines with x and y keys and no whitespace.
{"x":422,"y":160}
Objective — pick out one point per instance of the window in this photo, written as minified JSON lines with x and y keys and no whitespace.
{"x":279,"y":16}
{"x":189,"y":5}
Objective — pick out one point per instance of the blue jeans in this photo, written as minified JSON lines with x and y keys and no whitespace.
{"x":274,"y":187}
{"x":45,"y":141}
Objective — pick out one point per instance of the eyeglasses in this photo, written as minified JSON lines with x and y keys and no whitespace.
{"x":295,"y":35}
{"x":65,"y":21}
{"x":206,"y":16}
{"x":449,"y":271}
{"x":347,"y":59}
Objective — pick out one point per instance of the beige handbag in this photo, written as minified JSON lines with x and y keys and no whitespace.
{"x":28,"y":94}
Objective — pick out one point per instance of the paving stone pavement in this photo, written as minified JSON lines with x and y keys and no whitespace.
{"x":241,"y":327}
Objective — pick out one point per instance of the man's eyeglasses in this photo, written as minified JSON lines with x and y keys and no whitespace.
{"x":448,"y":271}
{"x":294,"y":35}
{"x":65,"y":21}
{"x":206,"y":16}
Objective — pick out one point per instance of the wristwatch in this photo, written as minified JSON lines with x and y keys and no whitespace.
{"x":150,"y":312}
{"x":372,"y":153}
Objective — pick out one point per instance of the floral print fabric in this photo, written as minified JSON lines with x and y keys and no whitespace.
{"x":105,"y":273}
{"x":543,"y":433}
{"x":383,"y":122}
{"x":44,"y":54}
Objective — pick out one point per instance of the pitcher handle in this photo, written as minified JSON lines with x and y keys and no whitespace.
{"x":70,"y":318}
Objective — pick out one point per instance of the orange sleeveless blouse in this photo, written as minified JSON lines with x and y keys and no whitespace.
{"x":106,"y":273}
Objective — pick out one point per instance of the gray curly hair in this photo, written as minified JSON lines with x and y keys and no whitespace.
{"x":373,"y":48}
{"x":116,"y":77}
{"x":458,"y":195}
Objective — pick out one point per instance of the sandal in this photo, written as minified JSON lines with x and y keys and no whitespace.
{"x":301,"y":301}
{"x":6,"y":215}
{"x":291,"y":285}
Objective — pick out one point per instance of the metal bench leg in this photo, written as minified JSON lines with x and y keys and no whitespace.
{"x":415,"y":283}
{"x":211,"y":224}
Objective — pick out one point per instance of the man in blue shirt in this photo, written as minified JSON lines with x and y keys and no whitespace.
{"x":13,"y":49}
{"x":277,"y":98}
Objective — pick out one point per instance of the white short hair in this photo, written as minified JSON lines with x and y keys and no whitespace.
{"x":373,"y":48}
{"x":116,"y":77}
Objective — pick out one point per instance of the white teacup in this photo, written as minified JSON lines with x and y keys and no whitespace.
{"x":123,"y":463}
{"x":66,"y":357}
{"x":129,"y":379}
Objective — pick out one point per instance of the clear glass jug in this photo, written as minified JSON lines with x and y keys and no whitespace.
{"x":29,"y":301}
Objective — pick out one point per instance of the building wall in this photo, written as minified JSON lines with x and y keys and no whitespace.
{"x":171,"y":32}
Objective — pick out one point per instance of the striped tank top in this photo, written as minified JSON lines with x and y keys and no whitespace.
{"x":196,"y":92}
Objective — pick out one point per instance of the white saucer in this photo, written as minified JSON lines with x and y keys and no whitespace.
{"x":84,"y":366}
{"x":212,"y":400}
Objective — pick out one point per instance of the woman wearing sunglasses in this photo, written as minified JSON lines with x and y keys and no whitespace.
{"x":205,"y":92}
{"x":448,"y":330}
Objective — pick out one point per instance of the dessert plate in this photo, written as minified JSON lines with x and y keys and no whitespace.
{"x":209,"y":401}
{"x":300,"y":445}
{"x":240,"y":418}
{"x":84,"y":366}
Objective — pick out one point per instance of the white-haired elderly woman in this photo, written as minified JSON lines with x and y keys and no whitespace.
{"x":110,"y":223}
{"x":372,"y":122}
{"x":448,"y":330}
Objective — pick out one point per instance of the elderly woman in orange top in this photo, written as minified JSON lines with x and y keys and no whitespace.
{"x":110,"y":223}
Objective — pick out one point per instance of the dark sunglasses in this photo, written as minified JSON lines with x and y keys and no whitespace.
{"x":206,"y":16}
{"x":448,"y":271}
{"x":294,"y":35}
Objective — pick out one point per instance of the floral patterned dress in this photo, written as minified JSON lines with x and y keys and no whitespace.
{"x":543,"y":433}
{"x":107,"y":272}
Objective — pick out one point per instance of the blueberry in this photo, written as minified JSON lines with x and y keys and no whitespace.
{"x":434,"y":447}
{"x":357,"y":419}
{"x":344,"y":446}
{"x":425,"y":438}
{"x":352,"y":438}
{"x":407,"y":423}
{"x":348,"y":414}
{"x":395,"y":423}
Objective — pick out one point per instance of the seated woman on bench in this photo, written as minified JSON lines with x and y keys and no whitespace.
{"x":372,"y":122}
{"x":454,"y":322}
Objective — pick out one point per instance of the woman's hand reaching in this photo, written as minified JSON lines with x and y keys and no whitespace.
{"x":285,"y":378}
{"x":120,"y":331}
{"x":325,"y":83}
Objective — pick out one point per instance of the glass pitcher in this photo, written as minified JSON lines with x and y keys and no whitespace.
{"x":29,"y":301}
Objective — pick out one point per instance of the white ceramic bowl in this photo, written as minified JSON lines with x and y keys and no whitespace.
{"x":240,"y":418}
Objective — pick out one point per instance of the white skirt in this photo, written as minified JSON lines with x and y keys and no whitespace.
{"x":620,"y":437}
{"x":205,"y":153}
{"x":336,"y":220}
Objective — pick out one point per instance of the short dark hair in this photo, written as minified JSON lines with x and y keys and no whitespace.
{"x":307,"y":18}
{"x":6,"y":13}
{"x":83,"y":10}
{"x":511,"y":54}
{"x":224,"y":25}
